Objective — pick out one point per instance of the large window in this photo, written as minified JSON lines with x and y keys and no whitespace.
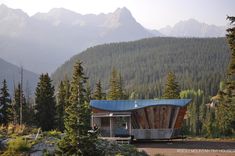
{"x":105,"y":122}
{"x":172,"y":117}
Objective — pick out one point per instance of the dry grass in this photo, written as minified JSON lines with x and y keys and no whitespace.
{"x":13,"y":130}
{"x":17,"y":146}
{"x":221,"y":139}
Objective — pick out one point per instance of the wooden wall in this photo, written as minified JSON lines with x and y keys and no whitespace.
{"x":155,"y":117}
{"x":158,"y":117}
{"x":180,"y":117}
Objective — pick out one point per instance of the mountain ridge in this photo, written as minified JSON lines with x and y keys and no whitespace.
{"x":61,"y":33}
{"x":11,"y":73}
{"x":193,"y":28}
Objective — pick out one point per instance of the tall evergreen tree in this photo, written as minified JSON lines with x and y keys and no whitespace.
{"x":98,"y":95}
{"x":22,"y":107}
{"x":67,"y":93}
{"x":88,"y":92}
{"x":225,"y":112}
{"x":231,"y":38}
{"x":28,"y":111}
{"x":171,"y":87}
{"x":115,"y":86}
{"x":120,"y":92}
{"x":209,"y":124}
{"x":77,"y":140}
{"x":45,"y":103}
{"x":6,"y":112}
{"x":60,"y":106}
{"x":16,"y":103}
{"x":195,"y":111}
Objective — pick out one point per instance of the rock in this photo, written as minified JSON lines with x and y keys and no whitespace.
{"x":47,"y":144}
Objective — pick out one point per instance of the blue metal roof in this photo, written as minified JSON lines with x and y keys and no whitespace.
{"x":128,"y":105}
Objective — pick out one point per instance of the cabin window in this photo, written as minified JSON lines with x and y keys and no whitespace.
{"x":104,"y":122}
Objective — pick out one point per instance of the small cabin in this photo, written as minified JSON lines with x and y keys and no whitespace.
{"x":141,"y":119}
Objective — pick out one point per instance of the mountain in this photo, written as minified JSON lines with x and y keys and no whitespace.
{"x":11,"y":73}
{"x":44,"y":41}
{"x":198,"y":63}
{"x":193,"y":28}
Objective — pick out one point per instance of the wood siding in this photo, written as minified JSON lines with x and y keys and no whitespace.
{"x":180,"y":117}
{"x":158,"y":117}
{"x":155,"y":117}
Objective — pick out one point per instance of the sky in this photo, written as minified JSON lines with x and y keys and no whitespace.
{"x":152,"y":14}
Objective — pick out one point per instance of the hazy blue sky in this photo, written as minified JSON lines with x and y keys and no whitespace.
{"x":152,"y":14}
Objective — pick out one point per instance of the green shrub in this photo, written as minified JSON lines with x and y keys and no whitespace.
{"x":158,"y":154}
{"x":112,"y":148}
{"x":46,"y":153}
{"x":53,"y":133}
{"x":16,"y":146}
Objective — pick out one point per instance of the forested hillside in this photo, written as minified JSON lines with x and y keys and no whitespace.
{"x":11,"y":73}
{"x":198,"y":63}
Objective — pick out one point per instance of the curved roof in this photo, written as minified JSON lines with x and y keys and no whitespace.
{"x":128,"y":105}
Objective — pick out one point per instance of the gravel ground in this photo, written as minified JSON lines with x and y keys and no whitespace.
{"x":186,"y":148}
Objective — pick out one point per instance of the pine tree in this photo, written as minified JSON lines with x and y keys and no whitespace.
{"x":67,"y":94}
{"x":115,"y":86}
{"x":45,"y":103}
{"x":18,"y":94}
{"x":77,"y":140}
{"x":6,"y":112}
{"x":120,"y":93}
{"x":209,"y":124}
{"x":195,"y":111}
{"x":28,"y":112}
{"x":98,"y":95}
{"x":16,"y":105}
{"x":231,"y":38}
{"x":61,"y":101}
{"x":225,"y":112}
{"x":171,"y":87}
{"x":88,"y":92}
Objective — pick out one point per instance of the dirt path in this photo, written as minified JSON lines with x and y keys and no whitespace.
{"x":186,"y":148}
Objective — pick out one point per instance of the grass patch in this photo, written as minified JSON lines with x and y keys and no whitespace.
{"x":19,"y":145}
{"x":225,"y":138}
{"x":112,"y":148}
{"x":53,"y":133}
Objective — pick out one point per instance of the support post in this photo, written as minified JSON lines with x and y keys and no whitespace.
{"x":92,"y":121}
{"x":129,"y":125}
{"x":111,"y":127}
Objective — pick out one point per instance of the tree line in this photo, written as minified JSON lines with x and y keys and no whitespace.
{"x":67,"y":110}
{"x":217,"y":118}
{"x":200,"y":63}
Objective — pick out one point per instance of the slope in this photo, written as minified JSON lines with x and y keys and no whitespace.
{"x":198,"y":63}
{"x":11,"y":73}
